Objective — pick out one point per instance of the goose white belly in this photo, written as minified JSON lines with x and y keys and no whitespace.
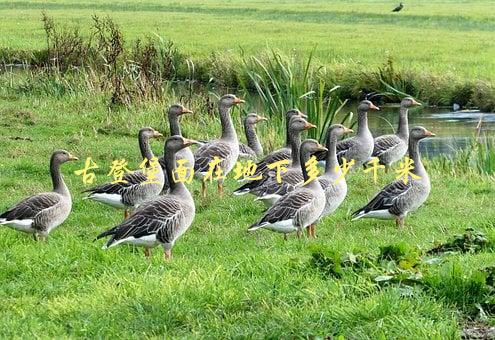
{"x":25,"y":225}
{"x":114,"y":200}
{"x":269,"y":200}
{"x":378,"y":214}
{"x":284,"y":226}
{"x":148,"y":241}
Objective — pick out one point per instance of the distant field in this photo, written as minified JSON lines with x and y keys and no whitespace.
{"x":441,"y":36}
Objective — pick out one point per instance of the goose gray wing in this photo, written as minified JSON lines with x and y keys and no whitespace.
{"x":324,"y":182}
{"x":385,"y":143}
{"x":343,"y":146}
{"x":246,"y":152}
{"x":262,"y":169}
{"x":205,"y":154}
{"x":130,"y":180}
{"x":290,"y":180}
{"x":287,"y":207}
{"x":30,"y":207}
{"x":389,"y":198}
{"x":163,"y":217}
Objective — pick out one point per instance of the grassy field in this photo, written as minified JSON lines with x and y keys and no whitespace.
{"x":222,"y":282}
{"x":454,"y":37}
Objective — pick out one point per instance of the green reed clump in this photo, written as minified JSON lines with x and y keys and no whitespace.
{"x":283,"y":83}
{"x":478,"y":157}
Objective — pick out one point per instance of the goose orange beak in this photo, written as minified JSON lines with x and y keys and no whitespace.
{"x":322,"y":148}
{"x":429,"y":134}
{"x":184,"y":111}
{"x":238,"y":101}
{"x":189,"y":142}
{"x":347,"y":131}
{"x":72,"y":157}
{"x":374,"y":107}
{"x":261,"y":118}
{"x":415,"y":103}
{"x":157,"y":134}
{"x":308,"y":126}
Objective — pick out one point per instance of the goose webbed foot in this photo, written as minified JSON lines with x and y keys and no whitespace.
{"x":39,"y":237}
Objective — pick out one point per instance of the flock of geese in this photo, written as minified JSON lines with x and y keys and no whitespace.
{"x":158,"y":213}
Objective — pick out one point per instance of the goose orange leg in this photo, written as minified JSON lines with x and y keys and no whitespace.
{"x":220,"y":188}
{"x":168,"y":255}
{"x":203,"y":189}
{"x":399,"y":222}
{"x":147,"y":252}
{"x":126,"y":214}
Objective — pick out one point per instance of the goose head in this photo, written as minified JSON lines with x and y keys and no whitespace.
{"x":253,"y":118}
{"x":409,"y":102}
{"x":148,"y":133}
{"x":311,"y":146}
{"x":62,"y":156}
{"x":294,"y":112}
{"x":177,"y":110}
{"x":367,"y":105}
{"x":176,"y":143}
{"x":230,"y":100}
{"x":338,"y":130}
{"x":298,"y":124}
{"x":419,"y":132}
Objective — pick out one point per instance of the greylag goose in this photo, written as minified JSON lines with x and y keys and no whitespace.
{"x":299,"y":208}
{"x":360,"y":147}
{"x":404,"y":195}
{"x":163,"y":220}
{"x":332,"y":181}
{"x":225,"y":149}
{"x":39,"y":214}
{"x":253,"y":149}
{"x":391,"y":148}
{"x":174,"y":112}
{"x":135,"y":187}
{"x":276,"y":156}
{"x":270,"y":190}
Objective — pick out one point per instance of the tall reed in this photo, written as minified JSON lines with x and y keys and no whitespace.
{"x":283,"y":83}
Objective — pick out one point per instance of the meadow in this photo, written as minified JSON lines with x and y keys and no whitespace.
{"x":435,"y":278}
{"x":222,"y":281}
{"x":440,"y":36}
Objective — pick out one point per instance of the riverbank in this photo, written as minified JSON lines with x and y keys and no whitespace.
{"x":99,"y":45}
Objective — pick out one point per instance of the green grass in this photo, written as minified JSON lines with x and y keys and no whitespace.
{"x":454,"y":37}
{"x":222,"y":282}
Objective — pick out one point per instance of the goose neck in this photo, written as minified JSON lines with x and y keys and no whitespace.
{"x":59,"y":185}
{"x":403,"y":128}
{"x":415,"y":155}
{"x":252,"y":139}
{"x":228,"y":130}
{"x":331,"y":159}
{"x":174,"y":125}
{"x":363,"y":129}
